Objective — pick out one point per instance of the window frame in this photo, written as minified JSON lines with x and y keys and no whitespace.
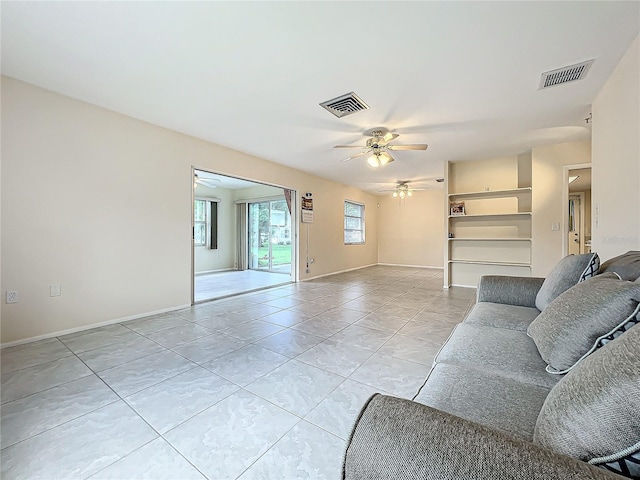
{"x":361,"y":218}
{"x":208,"y":205}
{"x":204,"y":222}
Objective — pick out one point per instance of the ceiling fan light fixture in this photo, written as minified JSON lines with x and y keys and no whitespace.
{"x":384,"y":158}
{"x":394,"y":194}
{"x":374,"y":161}
{"x":409,"y":193}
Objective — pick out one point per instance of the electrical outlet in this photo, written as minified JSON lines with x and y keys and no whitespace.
{"x":12,"y":296}
{"x":54,"y":290}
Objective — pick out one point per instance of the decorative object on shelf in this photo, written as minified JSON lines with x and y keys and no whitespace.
{"x":456,"y":208}
{"x":378,"y":147}
{"x":451,"y":235}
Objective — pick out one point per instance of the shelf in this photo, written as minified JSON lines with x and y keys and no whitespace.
{"x":495,"y":235}
{"x":482,"y":262}
{"x":492,"y":193}
{"x":480,"y":215}
{"x":501,"y":239}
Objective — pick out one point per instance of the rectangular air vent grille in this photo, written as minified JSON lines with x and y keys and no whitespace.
{"x":345,"y":105}
{"x":565,"y":74}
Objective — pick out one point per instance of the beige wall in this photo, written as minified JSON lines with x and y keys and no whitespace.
{"x":223,"y":257}
{"x":499,"y":173}
{"x":411,"y":232}
{"x":120,"y":246}
{"x":616,"y":159}
{"x":547,"y":203}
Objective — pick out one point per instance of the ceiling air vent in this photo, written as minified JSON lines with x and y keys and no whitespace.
{"x":345,"y":105}
{"x":565,"y":74}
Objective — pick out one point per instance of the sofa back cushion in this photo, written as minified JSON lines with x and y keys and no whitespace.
{"x":576,"y":322}
{"x":626,"y":265}
{"x":592,"y":413}
{"x":569,"y":271}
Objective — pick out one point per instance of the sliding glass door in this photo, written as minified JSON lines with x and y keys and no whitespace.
{"x":270,"y":236}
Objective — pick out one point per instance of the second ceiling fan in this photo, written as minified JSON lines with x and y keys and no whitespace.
{"x":378,"y":147}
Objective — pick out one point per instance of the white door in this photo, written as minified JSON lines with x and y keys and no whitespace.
{"x":575,"y":237}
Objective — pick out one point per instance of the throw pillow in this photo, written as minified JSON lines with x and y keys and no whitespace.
{"x":626,"y":265}
{"x":569,"y":271}
{"x":573,"y":325}
{"x":592,"y":413}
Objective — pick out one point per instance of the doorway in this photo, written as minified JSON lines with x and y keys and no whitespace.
{"x":270,"y":236}
{"x":244,"y":236}
{"x":577,"y":218}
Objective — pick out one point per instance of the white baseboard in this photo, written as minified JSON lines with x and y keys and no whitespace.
{"x":370,"y":265}
{"x":207,"y":272}
{"x":412,"y":266}
{"x":88,"y":327}
{"x":462,"y":286}
{"x":339,"y":271}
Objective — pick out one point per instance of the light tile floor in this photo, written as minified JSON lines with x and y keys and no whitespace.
{"x":264,"y":385}
{"x":222,"y":284}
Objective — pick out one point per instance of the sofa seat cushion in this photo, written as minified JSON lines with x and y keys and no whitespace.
{"x":499,"y":315}
{"x":485,"y":398}
{"x":568,"y":272}
{"x":499,"y":351}
{"x":592,"y":413}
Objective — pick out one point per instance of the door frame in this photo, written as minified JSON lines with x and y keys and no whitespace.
{"x":295,"y":227}
{"x":565,"y":204}
{"x":269,"y":200}
{"x":581,"y":198}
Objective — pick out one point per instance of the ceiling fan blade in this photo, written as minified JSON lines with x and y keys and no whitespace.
{"x":391,"y":159}
{"x":354,"y":156}
{"x":422,"y":146}
{"x":348,"y":146}
{"x":387,"y":138}
{"x":207,"y":183}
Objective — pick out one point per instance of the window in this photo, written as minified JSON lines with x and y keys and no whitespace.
{"x":353,"y":223}
{"x":200,"y":223}
{"x":205,"y":224}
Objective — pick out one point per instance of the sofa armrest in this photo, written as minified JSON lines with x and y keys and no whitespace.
{"x":399,"y":439}
{"x":520,"y":291}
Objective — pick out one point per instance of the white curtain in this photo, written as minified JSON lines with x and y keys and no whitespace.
{"x":241,"y":235}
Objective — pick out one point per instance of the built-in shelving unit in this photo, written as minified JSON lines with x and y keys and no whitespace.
{"x":491,"y":193}
{"x":493,"y":237}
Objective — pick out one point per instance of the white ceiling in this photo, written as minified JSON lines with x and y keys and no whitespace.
{"x":583,"y":182}
{"x":460,"y":76}
{"x":223,"y":181}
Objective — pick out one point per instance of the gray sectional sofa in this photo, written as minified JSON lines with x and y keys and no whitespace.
{"x":540,"y":381}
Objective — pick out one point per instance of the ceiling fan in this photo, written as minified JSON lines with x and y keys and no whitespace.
{"x":378,"y":146}
{"x":402,"y":190}
{"x":204,"y":181}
